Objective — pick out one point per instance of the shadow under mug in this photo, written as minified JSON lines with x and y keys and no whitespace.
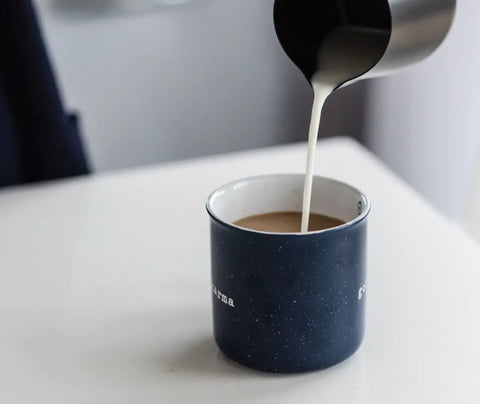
{"x":288,"y":302}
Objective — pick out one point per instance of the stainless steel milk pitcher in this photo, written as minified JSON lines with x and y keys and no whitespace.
{"x":398,"y":32}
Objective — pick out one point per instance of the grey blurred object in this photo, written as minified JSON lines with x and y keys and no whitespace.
{"x":399,"y":33}
{"x":98,"y":8}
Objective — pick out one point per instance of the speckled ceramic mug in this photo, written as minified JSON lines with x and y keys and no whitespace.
{"x":292,"y":302}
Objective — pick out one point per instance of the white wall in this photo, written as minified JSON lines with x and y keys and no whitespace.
{"x":425,"y":121}
{"x":205,"y":77}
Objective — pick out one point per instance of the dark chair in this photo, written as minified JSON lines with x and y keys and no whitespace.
{"x":38,"y":139}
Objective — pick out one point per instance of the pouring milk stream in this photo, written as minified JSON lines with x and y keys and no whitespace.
{"x":346,"y":53}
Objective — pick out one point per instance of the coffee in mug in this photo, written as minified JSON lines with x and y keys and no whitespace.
{"x":287,"y":222}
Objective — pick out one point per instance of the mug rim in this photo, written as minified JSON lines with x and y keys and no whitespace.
{"x":344,"y":226}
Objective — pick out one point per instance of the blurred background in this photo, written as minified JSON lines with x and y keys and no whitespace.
{"x":162,"y":80}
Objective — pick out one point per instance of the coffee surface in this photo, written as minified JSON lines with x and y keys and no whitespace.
{"x":287,"y":222}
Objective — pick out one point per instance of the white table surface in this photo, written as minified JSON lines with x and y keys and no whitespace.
{"x":105,"y":292}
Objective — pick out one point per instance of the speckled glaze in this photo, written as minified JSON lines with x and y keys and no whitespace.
{"x":288,"y":303}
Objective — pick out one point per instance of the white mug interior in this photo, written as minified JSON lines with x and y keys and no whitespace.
{"x":284,"y":193}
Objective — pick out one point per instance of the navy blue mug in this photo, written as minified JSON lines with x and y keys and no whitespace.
{"x":288,"y":302}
